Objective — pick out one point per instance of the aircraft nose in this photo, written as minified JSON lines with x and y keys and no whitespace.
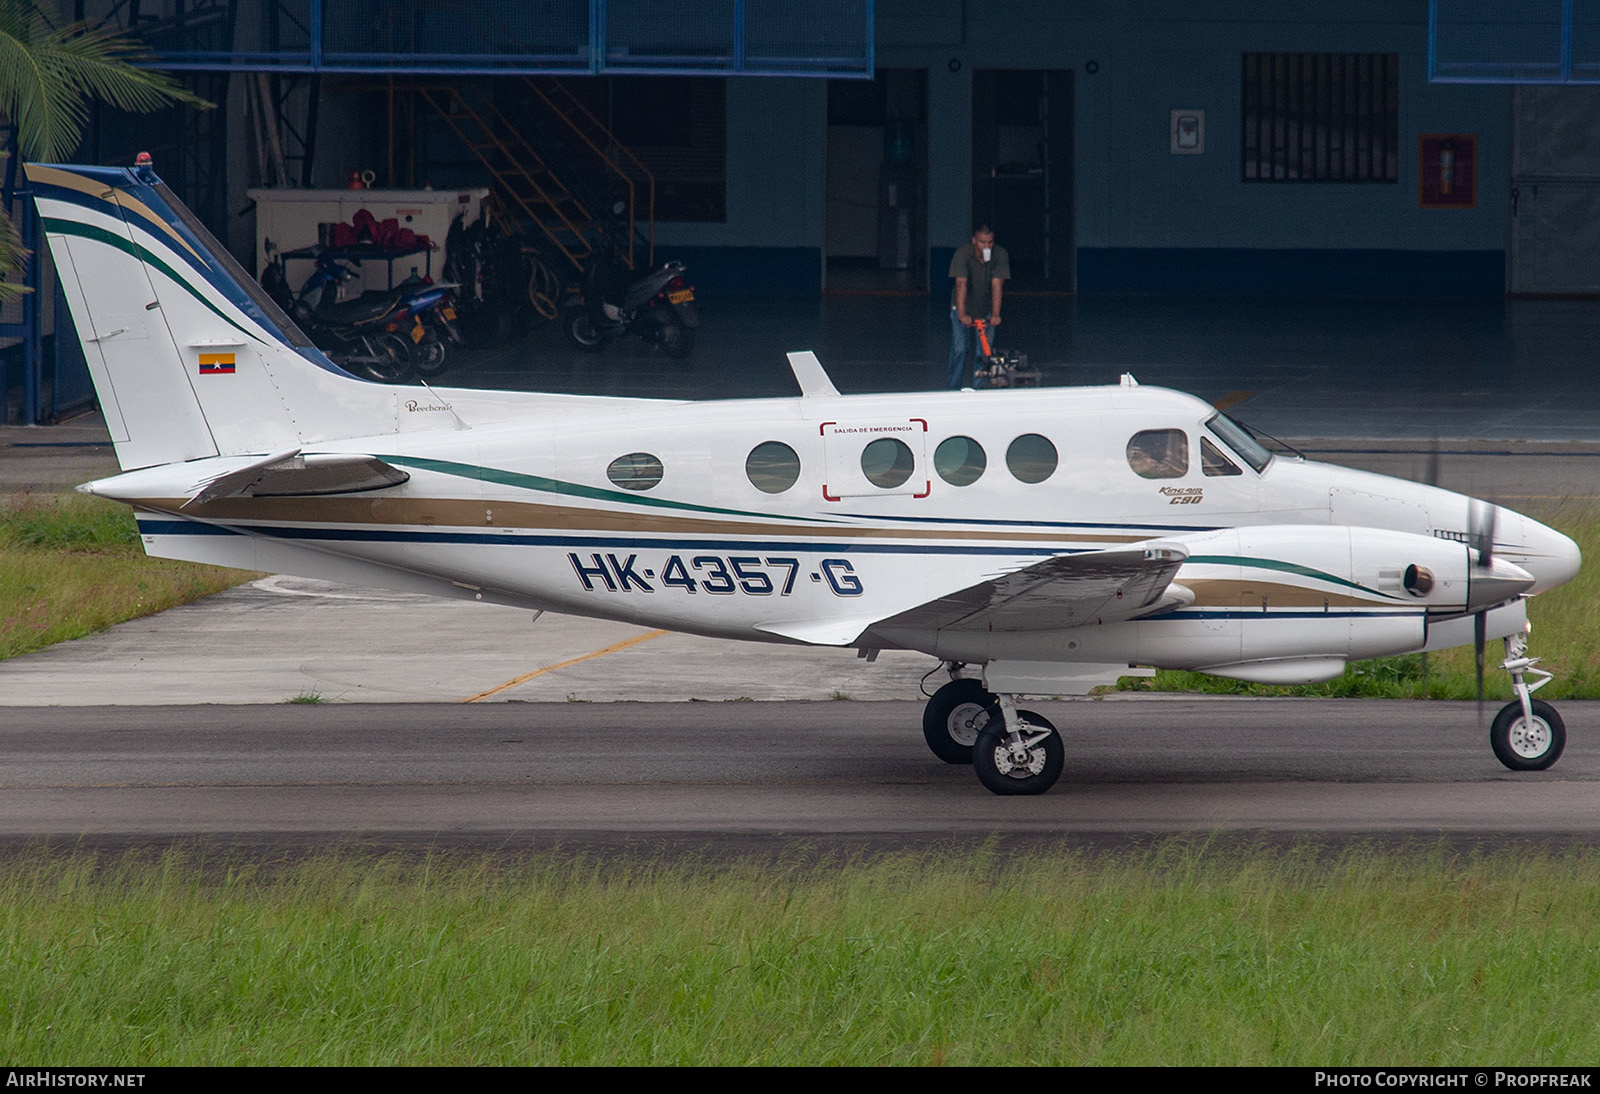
{"x":1552,"y":558}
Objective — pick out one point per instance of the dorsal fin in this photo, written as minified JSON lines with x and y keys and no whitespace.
{"x":810,"y":375}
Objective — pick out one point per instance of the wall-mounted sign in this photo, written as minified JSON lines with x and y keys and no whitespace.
{"x":1447,"y":171}
{"x":1188,"y":132}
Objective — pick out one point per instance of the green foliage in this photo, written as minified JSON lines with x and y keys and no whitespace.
{"x":1179,"y":955}
{"x":48,"y":75}
{"x":71,"y":565}
{"x":65,"y":523}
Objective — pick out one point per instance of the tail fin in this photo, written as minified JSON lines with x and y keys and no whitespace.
{"x":188,"y":356}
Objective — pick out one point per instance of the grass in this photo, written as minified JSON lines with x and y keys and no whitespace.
{"x":73,"y":565}
{"x":1174,"y":955}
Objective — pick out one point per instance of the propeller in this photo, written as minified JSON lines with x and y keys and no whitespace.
{"x":1481,"y":520}
{"x":1431,"y":477}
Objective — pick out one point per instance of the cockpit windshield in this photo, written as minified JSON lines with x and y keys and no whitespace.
{"x":1238,"y":438}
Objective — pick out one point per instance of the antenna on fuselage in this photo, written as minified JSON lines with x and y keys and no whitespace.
{"x":811,"y":376}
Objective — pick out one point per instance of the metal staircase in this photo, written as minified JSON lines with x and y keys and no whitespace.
{"x":560,"y":169}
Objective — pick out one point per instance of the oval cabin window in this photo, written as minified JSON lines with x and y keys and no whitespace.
{"x":772,"y":467}
{"x":1159,"y":454}
{"x":887,"y":462}
{"x":635,"y":471}
{"x":1031,"y":458}
{"x":959,"y":461}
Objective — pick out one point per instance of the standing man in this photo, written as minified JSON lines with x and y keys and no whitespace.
{"x":980,"y":269}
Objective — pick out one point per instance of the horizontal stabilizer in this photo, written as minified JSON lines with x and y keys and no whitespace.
{"x":279,"y":475}
{"x":295,"y":475}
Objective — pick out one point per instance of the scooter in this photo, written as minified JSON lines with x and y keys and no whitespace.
{"x":386,"y":335}
{"x":658,"y":307}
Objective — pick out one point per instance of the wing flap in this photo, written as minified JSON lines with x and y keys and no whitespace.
{"x":1064,"y":591}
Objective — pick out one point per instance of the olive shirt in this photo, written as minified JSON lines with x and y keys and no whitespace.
{"x":968,"y":263}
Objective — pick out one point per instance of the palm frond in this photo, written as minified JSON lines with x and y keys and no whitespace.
{"x":13,"y":257}
{"x":48,"y":75}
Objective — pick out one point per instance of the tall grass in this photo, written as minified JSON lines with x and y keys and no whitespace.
{"x":1170,"y":956}
{"x":72,"y":565}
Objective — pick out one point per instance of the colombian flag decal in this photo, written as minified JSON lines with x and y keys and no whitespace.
{"x":216,"y":364}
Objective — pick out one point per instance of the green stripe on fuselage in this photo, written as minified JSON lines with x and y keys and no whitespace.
{"x":1282,"y":567}
{"x":572,"y":489}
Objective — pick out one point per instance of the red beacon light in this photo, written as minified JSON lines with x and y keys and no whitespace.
{"x":143,"y":159}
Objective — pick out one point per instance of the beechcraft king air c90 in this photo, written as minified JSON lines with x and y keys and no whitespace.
{"x":1036,"y":542}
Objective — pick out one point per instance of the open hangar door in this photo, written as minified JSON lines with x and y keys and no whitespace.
{"x":876,"y":233}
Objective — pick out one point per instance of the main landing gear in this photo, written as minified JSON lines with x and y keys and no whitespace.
{"x":1018,"y":751}
{"x":1527,"y":734}
{"x":1013,"y":751}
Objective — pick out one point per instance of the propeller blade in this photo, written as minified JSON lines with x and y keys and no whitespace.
{"x":1481,"y":520}
{"x":1480,"y":627}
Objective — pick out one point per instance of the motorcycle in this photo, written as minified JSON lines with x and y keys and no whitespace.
{"x":658,"y":307}
{"x":386,"y":335}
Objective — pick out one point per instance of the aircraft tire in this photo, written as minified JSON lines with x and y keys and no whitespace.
{"x":953,"y":717}
{"x":580,"y":330}
{"x":991,"y":757}
{"x":1522,"y":746}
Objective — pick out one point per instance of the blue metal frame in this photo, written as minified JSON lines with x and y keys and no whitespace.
{"x":1507,"y":72}
{"x":26,"y":220}
{"x":316,"y":58}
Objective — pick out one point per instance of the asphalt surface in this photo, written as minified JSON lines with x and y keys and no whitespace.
{"x":739,"y":775}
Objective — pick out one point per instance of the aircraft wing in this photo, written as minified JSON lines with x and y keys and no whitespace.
{"x":1065,"y":591}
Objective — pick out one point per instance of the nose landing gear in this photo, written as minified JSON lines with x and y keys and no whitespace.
{"x":1527,"y":734}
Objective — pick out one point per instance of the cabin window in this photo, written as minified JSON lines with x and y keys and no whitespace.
{"x":1031,"y":458}
{"x":887,"y":462}
{"x":1159,"y":454}
{"x":635,"y":471}
{"x":1213,"y":462}
{"x":772,"y":467}
{"x":959,"y":461}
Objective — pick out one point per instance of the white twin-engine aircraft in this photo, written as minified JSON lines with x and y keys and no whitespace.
{"x":1036,"y":542}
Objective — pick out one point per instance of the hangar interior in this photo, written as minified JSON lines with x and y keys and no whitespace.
{"x":1248,"y":148}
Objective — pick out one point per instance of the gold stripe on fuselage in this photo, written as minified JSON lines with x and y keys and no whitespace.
{"x":463,"y":513}
{"x":1228,"y":593}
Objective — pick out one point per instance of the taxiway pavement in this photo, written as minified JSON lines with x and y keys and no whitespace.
{"x":735,"y":774}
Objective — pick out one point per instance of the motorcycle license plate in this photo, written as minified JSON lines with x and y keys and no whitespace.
{"x":448,"y":312}
{"x":682,"y":296}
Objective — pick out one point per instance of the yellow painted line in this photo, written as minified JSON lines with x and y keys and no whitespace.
{"x":1232,"y":399}
{"x":525,"y":677}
